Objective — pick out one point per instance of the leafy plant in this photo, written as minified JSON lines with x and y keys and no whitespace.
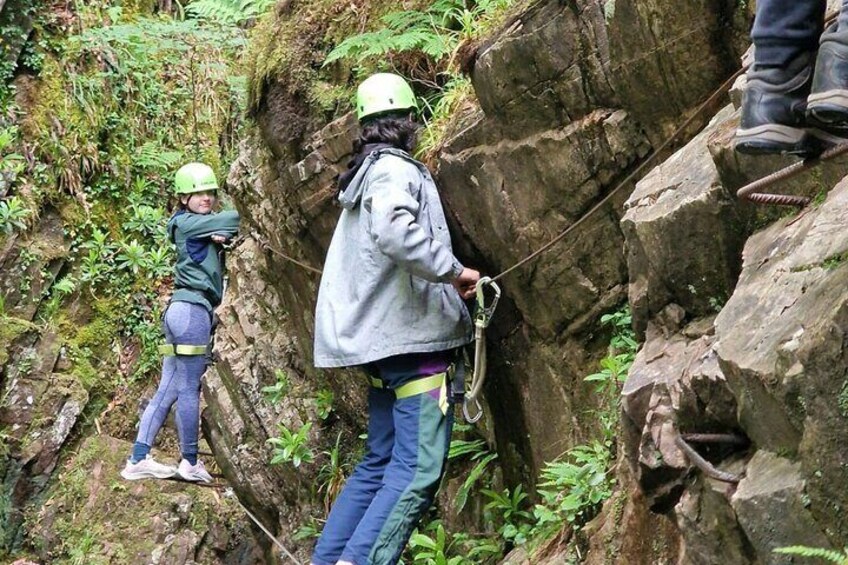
{"x":433,"y":550}
{"x":515,"y":522}
{"x":13,"y":214}
{"x":277,"y":391}
{"x":622,"y":352}
{"x":230,"y":12}
{"x":307,"y":531}
{"x":574,"y":487}
{"x":159,"y":262}
{"x":60,"y":289}
{"x":332,"y":474}
{"x":324,"y":403}
{"x":479,"y":452}
{"x":292,"y":446}
{"x":133,"y":257}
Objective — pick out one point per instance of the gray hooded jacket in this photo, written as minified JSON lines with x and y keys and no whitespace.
{"x":386,"y":284}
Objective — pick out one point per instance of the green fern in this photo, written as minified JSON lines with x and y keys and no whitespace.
{"x":840,"y":558}
{"x":229,"y":12}
{"x":409,"y":30}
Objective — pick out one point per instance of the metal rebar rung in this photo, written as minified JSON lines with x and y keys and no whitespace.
{"x":751,"y":191}
{"x":705,"y":466}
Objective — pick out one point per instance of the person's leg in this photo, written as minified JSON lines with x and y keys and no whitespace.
{"x":138,"y":464}
{"x":422,"y":436}
{"x":189,"y":371}
{"x":785,"y":36}
{"x":364,"y":482}
{"x":785,"y":29}
{"x":827,"y":105}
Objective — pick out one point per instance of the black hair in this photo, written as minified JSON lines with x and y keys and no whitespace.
{"x":396,"y":129}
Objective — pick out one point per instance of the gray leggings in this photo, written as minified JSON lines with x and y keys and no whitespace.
{"x":185,"y":324}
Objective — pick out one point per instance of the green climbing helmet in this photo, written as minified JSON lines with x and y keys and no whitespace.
{"x":195,"y":177}
{"x":383,"y":92}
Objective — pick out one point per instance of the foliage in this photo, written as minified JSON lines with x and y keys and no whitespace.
{"x":324,"y":403}
{"x":291,"y":447}
{"x":332,"y":474}
{"x":433,"y":550}
{"x":276,"y":392}
{"x":574,"y":487}
{"x":478,"y":452}
{"x":436,"y":31}
{"x":13,"y":214}
{"x":229,"y":12}
{"x":432,"y":544}
{"x":841,"y":558}
{"x":515,"y":523}
{"x":622,"y":351}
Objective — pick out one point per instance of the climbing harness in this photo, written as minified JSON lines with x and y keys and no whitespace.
{"x":751,"y":191}
{"x":482,"y":317}
{"x":420,"y":386}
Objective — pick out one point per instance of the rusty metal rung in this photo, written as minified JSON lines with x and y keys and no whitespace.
{"x":751,"y":191}
{"x":705,"y":466}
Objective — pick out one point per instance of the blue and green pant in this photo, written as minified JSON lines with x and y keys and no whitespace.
{"x":396,"y":481}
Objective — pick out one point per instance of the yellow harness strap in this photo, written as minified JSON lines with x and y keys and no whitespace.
{"x":169,"y":349}
{"x":420,"y":386}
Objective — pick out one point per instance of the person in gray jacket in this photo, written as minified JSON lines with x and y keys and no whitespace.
{"x":391,"y":301}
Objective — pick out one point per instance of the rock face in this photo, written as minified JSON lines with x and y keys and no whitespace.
{"x":567,"y":107}
{"x":157,"y":522}
{"x":684,"y":231}
{"x":769,"y":368}
{"x":556,"y":130}
{"x":785,"y":363}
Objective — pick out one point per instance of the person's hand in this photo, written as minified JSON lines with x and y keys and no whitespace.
{"x":466,"y":283}
{"x":219,"y":238}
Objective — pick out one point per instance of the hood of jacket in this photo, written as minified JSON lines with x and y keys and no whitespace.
{"x":351,"y":182}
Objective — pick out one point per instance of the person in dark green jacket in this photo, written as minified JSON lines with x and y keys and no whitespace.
{"x":198,"y":234}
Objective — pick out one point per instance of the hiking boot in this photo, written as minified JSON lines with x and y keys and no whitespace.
{"x":195,"y":473}
{"x":827,"y":104}
{"x":147,"y":468}
{"x":773,"y":110}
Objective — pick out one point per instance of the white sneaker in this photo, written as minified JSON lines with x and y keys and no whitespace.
{"x":147,"y":468}
{"x":195,"y":473}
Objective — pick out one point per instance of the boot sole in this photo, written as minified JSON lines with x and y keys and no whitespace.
{"x":771,"y":139}
{"x":830,"y":105}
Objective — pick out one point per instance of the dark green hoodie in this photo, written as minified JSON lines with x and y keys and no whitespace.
{"x":197,"y":276}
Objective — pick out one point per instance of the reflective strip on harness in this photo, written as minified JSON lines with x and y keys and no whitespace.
{"x":418,"y":386}
{"x":169,"y":349}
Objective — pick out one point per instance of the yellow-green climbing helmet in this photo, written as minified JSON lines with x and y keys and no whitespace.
{"x":195,"y":177}
{"x":383,"y":92}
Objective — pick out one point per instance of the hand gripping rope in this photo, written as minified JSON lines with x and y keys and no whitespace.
{"x":482,"y":317}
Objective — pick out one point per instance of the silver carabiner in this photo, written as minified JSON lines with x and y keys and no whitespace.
{"x":483,"y":314}
{"x":468,"y":418}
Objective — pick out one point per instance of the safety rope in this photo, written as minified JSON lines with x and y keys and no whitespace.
{"x":263,"y":242}
{"x":654,"y":154}
{"x":231,"y":494}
